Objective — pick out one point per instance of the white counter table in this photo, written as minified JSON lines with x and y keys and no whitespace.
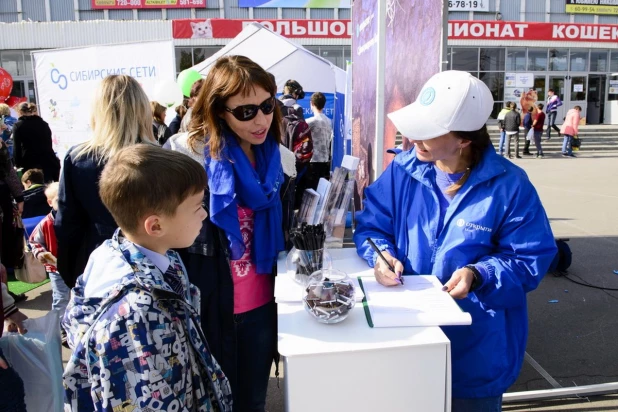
{"x":351,"y":367}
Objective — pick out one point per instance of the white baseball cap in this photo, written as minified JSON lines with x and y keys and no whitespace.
{"x":451,"y":101}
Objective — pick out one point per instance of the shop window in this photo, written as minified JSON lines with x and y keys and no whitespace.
{"x":347,"y":56}
{"x":495,"y":82}
{"x":449,"y":58}
{"x":516,"y":60}
{"x":537,"y":60}
{"x":579,"y":60}
{"x":28,"y":63}
{"x":496,"y":110}
{"x":465,"y":59}
{"x":612,"y":96}
{"x":202,"y":53}
{"x":333,"y":55}
{"x":13,"y":62}
{"x":184,"y":58}
{"x":613,"y":62}
{"x":598,"y":61}
{"x":492,"y":60}
{"x":558,"y":60}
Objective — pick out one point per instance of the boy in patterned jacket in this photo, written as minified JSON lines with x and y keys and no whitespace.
{"x":132,"y":321}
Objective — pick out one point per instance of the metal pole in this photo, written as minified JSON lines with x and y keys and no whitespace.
{"x":598,"y":389}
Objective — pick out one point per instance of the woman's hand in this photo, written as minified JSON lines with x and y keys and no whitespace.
{"x":459,"y":284}
{"x":20,"y":208}
{"x":383,"y":274}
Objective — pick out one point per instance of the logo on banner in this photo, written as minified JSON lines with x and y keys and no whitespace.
{"x":59,"y":79}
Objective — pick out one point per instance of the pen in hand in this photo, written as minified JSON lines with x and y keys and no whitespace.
{"x":390,"y":267}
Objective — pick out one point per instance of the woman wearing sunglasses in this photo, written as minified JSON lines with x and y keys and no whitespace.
{"x":237,"y":120}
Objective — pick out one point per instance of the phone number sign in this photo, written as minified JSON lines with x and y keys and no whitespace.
{"x":592,"y":6}
{"x":147,"y":4}
{"x":468,"y":5}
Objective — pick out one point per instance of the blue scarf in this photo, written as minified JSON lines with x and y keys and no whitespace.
{"x":233,"y":180}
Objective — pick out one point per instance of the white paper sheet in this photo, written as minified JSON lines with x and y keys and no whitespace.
{"x":419,"y":302}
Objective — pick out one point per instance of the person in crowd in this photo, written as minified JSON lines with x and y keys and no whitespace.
{"x":32,"y":143}
{"x":293,"y":91}
{"x":133,"y":312}
{"x":12,"y":387}
{"x":503,"y":112}
{"x":570,"y":128}
{"x":159,"y":128}
{"x":322,"y":136}
{"x":6,"y":126}
{"x":296,"y":135}
{"x":181,"y":110}
{"x":527,"y":127}
{"x":45,"y":249}
{"x":35,"y":201}
{"x":512,"y":120}
{"x":234,"y":257}
{"x":553,"y":103}
{"x":120,"y":117}
{"x":12,"y":205}
{"x":538,"y":124}
{"x":195,"y":91}
{"x":453,"y":208}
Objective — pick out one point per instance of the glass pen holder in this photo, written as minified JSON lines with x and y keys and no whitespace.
{"x":301,"y":264}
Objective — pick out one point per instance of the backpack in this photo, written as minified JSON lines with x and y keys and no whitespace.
{"x":297,"y":135}
{"x":562,"y":260}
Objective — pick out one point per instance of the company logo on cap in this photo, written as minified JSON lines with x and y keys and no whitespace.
{"x":428,"y":96}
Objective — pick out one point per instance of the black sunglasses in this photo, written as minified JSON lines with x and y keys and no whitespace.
{"x":249,"y":111}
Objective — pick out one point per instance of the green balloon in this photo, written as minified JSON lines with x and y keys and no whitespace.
{"x":185,"y":80}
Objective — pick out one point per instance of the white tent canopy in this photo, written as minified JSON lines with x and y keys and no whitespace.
{"x":283,"y":58}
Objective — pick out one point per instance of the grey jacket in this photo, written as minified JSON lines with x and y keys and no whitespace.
{"x":512,"y":120}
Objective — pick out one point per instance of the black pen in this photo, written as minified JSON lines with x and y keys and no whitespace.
{"x":379,"y":252}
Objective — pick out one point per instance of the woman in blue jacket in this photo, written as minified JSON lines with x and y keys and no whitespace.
{"x":453,"y":208}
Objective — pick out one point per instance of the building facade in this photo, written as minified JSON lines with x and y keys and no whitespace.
{"x":519,"y":48}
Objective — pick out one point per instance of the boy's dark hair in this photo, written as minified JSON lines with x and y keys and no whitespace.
{"x":35,"y":176}
{"x":318,"y":100}
{"x":142,"y":180}
{"x":530,"y":109}
{"x":540,"y":106}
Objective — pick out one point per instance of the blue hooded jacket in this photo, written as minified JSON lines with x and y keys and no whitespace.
{"x":495,"y":220}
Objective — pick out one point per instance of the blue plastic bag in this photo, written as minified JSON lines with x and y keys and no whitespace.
{"x":37,"y":358}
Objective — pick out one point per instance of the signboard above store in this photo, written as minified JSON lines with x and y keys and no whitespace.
{"x":229,"y":28}
{"x":468,"y":5}
{"x":147,"y":4}
{"x":592,"y":6}
{"x":493,"y":30}
{"x":312,"y":4}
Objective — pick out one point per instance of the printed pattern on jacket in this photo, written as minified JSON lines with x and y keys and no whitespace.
{"x":140,"y":347}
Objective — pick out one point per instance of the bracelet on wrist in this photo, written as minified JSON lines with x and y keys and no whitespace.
{"x":478,"y":280}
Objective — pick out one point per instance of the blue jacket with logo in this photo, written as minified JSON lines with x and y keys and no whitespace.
{"x":495,"y":220}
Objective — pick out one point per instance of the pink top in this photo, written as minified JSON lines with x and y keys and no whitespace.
{"x":571,"y":123}
{"x":250,"y":289}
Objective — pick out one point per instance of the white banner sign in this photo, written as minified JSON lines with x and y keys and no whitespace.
{"x":613,"y":87}
{"x":516,"y":85}
{"x":66,"y":80}
{"x":468,"y":5}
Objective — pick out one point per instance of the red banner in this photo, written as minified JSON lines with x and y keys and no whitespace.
{"x":457,"y":30}
{"x":228,"y":29}
{"x":500,"y":30}
{"x":147,"y":4}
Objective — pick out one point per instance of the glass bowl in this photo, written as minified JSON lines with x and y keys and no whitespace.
{"x":329,"y":296}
